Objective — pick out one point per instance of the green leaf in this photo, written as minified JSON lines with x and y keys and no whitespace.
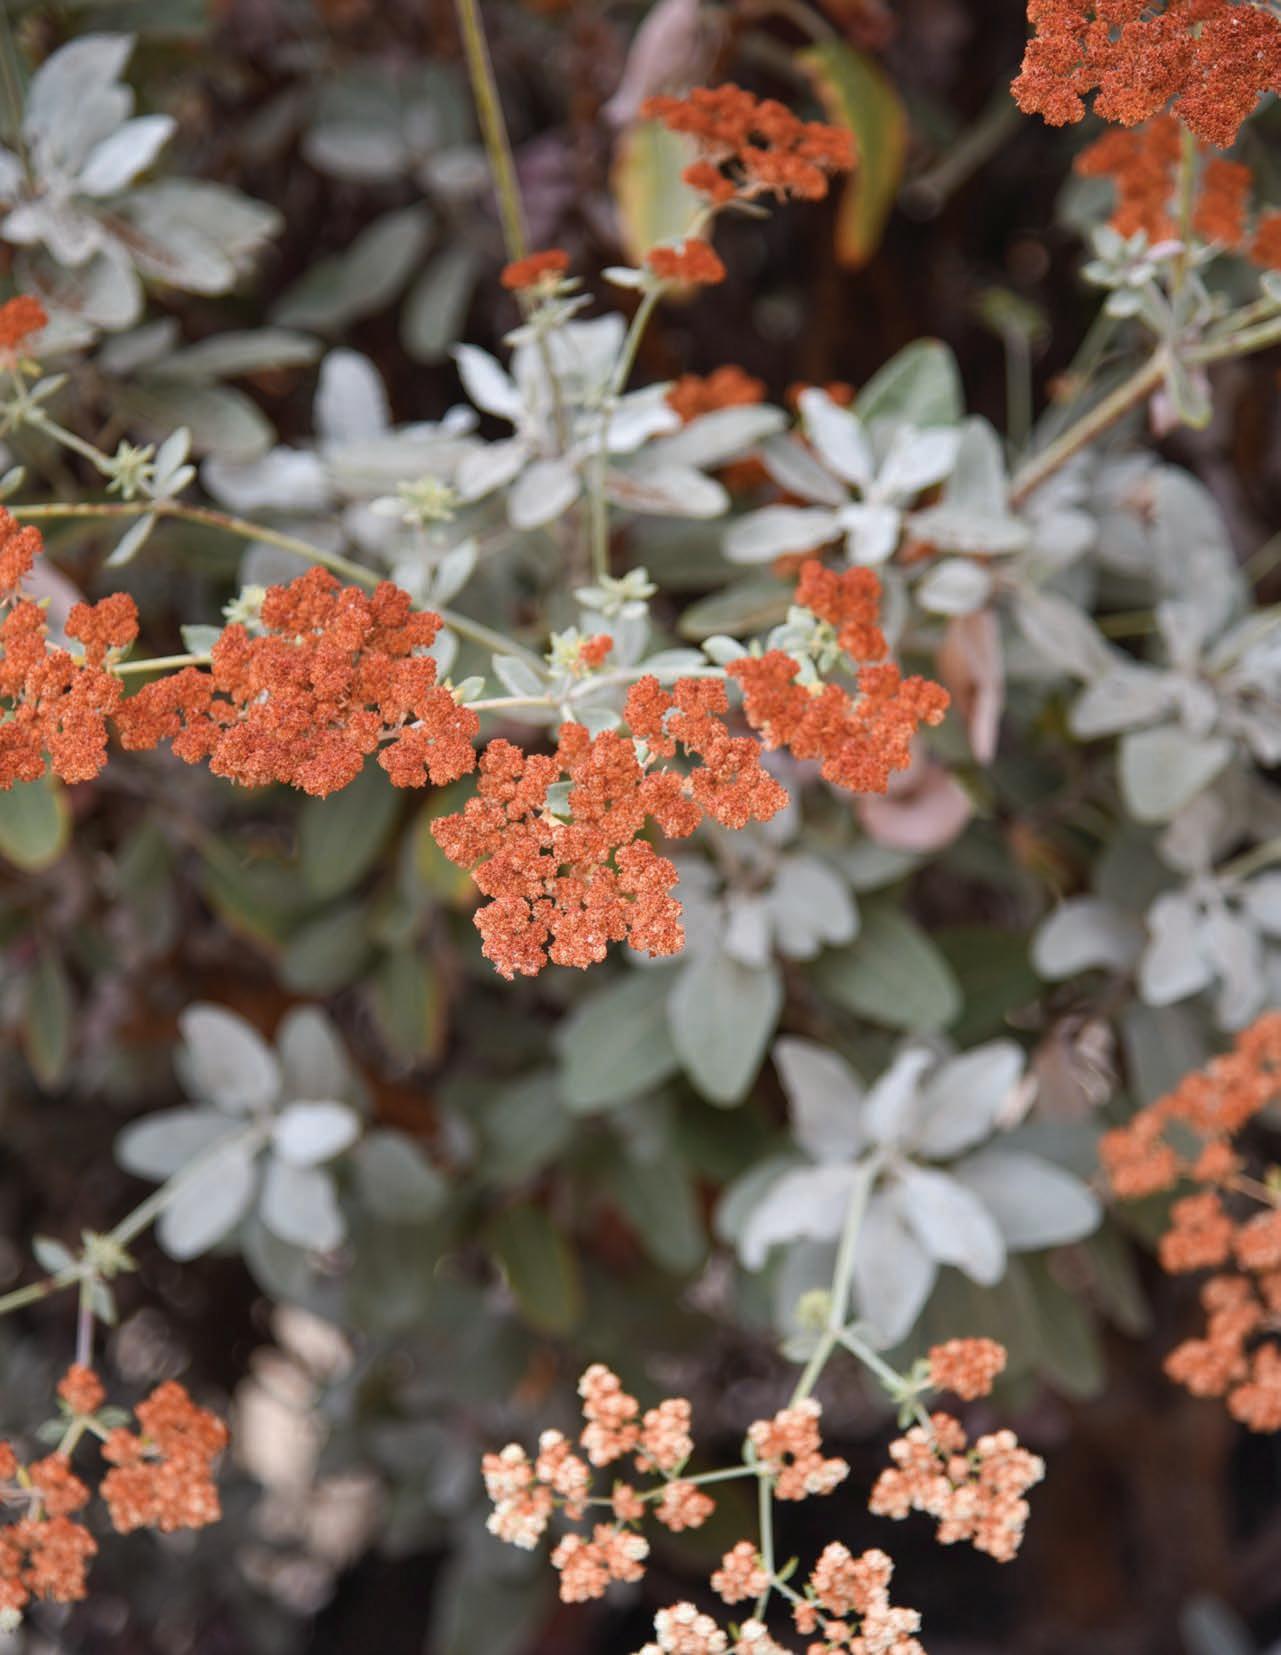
{"x":540,"y":1268}
{"x":395,"y":1179}
{"x":893,"y":975}
{"x":328,"y":952}
{"x":858,"y":94}
{"x":747,"y":606}
{"x":1069,"y":1353}
{"x":436,"y":309}
{"x":997,"y":976}
{"x":340,"y":838}
{"x":616,"y":1043}
{"x":407,"y":1004}
{"x":654,"y":202}
{"x":659,"y":1199}
{"x":722,"y":1016}
{"x":35,"y":824}
{"x":920,"y":385}
{"x":47,"y":1017}
{"x":361,"y":280}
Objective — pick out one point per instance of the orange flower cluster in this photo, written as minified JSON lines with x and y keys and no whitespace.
{"x":161,"y":1478}
{"x":162,"y":1475}
{"x":525,"y":1493}
{"x":336,"y":674}
{"x":20,"y":317}
{"x":695,"y":262}
{"x":846,"y":1603}
{"x":565,"y":890}
{"x":57,"y":703}
{"x":789,"y":1447}
{"x":966,"y":1367}
{"x":727,"y":387}
{"x":976,"y":1493}
{"x":751,"y":146}
{"x":1211,"y":59}
{"x":534,"y":270}
{"x":1142,"y":164}
{"x":1239,"y":1357}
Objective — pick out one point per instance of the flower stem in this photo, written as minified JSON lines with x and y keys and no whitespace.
{"x":158,"y":663}
{"x":493,"y":127}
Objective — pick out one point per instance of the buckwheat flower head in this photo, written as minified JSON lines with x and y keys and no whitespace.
{"x":968,"y":1367}
{"x":19,"y":547}
{"x":789,"y":1446}
{"x":752,"y":146}
{"x":1210,"y":59}
{"x":20,"y":317}
{"x":683,"y":1506}
{"x":729,"y":387}
{"x":742,"y":1576}
{"x":612,"y":1428}
{"x":563,"y":1472}
{"x":665,"y":1440}
{"x":81,"y":1390}
{"x":1201,"y":1234}
{"x":692,"y":261}
{"x":162,"y":1476}
{"x":522,"y":1505}
{"x":587,"y":1567}
{"x":535,"y":270}
{"x":684,"y":1630}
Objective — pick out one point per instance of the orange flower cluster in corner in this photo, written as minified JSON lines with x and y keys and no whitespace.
{"x":57,"y":703}
{"x":1142,"y":165}
{"x":859,"y":741}
{"x":752,"y":146}
{"x":1210,"y":59}
{"x":336,"y":675}
{"x":1189,"y":1135}
{"x":161,"y":1478}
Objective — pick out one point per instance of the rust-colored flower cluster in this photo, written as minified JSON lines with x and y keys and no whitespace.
{"x":966,"y":1367}
{"x":535,"y":270}
{"x":565,"y":889}
{"x":1142,"y":164}
{"x":727,"y":387}
{"x":1212,"y":59}
{"x":789,"y":1448}
{"x":162,"y":1478}
{"x":1231,"y":1224}
{"x":694,"y":262}
{"x":20,"y":317}
{"x":975,"y":1491}
{"x":56,"y":703}
{"x":751,"y":146}
{"x":336,"y":675}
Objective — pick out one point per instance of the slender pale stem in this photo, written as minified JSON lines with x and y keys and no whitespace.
{"x":1252,"y":861}
{"x":765,"y":1508}
{"x":1189,"y":162}
{"x":493,"y":127}
{"x":158,"y":663}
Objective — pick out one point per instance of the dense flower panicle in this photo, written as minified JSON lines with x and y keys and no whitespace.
{"x":859,"y":742}
{"x":58,"y":703}
{"x":751,"y":146}
{"x":522,"y":1505}
{"x":725,"y":387}
{"x":337,"y":674}
{"x":61,"y":1491}
{"x":967,"y":1367}
{"x":44,"y":1557}
{"x":81,"y":1390}
{"x":1238,"y":1357}
{"x":790,"y":1447}
{"x":1142,"y":164}
{"x":842,"y":1585}
{"x":850,"y":602}
{"x":19,"y":547}
{"x":1210,"y":59}
{"x":742,"y":1576}
{"x":162,"y":1475}
{"x":683,"y":1506}
{"x":665,"y":1439}
{"x":587,"y":1567}
{"x":565,"y":889}
{"x":684,"y":1630}
{"x":612,"y":1427}
{"x":20,"y":317}
{"x":976,"y":1493}
{"x":534,"y":270}
{"x":693,"y":261}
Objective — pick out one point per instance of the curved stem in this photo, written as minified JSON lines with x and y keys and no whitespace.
{"x":158,"y":663}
